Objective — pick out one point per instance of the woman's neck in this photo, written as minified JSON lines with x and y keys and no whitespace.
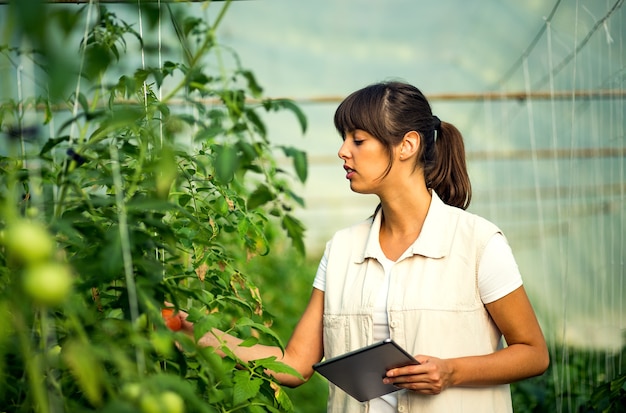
{"x":402,"y":221}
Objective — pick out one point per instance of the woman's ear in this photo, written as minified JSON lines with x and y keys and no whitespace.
{"x":410,"y":144}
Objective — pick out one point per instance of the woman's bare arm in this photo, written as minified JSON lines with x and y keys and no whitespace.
{"x":305,"y":347}
{"x":526,"y":354}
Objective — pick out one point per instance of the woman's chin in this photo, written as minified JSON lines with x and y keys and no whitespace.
{"x":359,"y":190}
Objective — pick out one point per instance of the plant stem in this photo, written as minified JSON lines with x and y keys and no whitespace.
{"x":210,"y":35}
{"x":125,"y":245}
{"x":33,"y":367}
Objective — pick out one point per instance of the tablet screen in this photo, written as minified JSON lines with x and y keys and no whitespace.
{"x":360,"y":372}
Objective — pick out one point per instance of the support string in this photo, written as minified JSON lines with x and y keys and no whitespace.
{"x":80,"y":72}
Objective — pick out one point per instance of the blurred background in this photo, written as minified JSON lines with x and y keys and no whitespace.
{"x":538,"y":88}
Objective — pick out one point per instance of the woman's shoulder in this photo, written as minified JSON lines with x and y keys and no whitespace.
{"x":471,"y":220}
{"x":360,"y":227}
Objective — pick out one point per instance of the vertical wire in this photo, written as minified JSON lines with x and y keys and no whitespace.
{"x":160,"y":56}
{"x":621,"y":132}
{"x":537,"y":183}
{"x":59,"y":195}
{"x":491,"y":165}
{"x":534,"y":160}
{"x":559,"y":213}
{"x":565,"y":355}
{"x":143,"y":56}
{"x":535,"y":163}
{"x":80,"y":71}
{"x":603,"y":217}
{"x":591,"y":303}
{"x":160,"y":254}
{"x":20,"y":113}
{"x":610,"y":217}
{"x":505,"y":122}
{"x":615,"y":209}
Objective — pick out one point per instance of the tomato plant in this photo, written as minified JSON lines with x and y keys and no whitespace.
{"x":126,"y":184}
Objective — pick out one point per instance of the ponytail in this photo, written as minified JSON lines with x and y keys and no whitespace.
{"x":446,"y":171}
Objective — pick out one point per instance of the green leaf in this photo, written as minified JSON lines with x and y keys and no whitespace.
{"x":246,"y":322}
{"x":86,"y":369}
{"x":291,"y":106}
{"x":208,"y":133}
{"x":235,"y":101}
{"x":249,"y":152}
{"x":204,"y":326}
{"x":226,"y":162}
{"x":283,"y":399}
{"x":258,"y":124}
{"x":260,"y":196}
{"x":169,"y":67}
{"x":51,"y":143}
{"x":121,"y":117}
{"x":300,"y":162}
{"x":277,"y":366}
{"x":83,"y":102}
{"x":295,"y":197}
{"x":254,"y":87}
{"x":249,"y":342}
{"x":184,"y":199}
{"x":246,"y":387}
{"x":295,"y":231}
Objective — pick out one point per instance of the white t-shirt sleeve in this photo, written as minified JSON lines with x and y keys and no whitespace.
{"x":320,"y":276}
{"x":498,"y":274}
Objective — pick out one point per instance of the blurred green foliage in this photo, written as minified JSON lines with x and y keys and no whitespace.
{"x":142,"y":200}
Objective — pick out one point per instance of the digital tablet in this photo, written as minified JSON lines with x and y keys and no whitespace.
{"x":360,"y":372}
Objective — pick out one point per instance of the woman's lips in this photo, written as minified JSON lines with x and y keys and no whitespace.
{"x":349,"y":172}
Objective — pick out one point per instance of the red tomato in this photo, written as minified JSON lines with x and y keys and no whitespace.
{"x":171,"y":320}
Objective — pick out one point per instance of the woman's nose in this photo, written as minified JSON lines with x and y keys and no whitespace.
{"x":343,"y":152}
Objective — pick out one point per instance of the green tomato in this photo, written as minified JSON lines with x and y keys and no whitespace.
{"x":132,"y":391}
{"x":166,"y":402}
{"x":172,"y":402}
{"x":48,"y":283}
{"x":28,"y":241}
{"x":162,"y":343}
{"x":150,"y":404}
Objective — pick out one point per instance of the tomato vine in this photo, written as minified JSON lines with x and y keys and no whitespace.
{"x":143,"y":200}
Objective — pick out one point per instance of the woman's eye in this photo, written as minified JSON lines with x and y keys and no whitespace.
{"x":358,"y":142}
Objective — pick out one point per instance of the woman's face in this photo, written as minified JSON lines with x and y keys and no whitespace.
{"x":365,"y":161}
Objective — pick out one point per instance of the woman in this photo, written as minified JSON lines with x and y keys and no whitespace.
{"x":438,"y":280}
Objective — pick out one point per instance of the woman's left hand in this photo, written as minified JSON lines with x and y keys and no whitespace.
{"x":431,"y":376}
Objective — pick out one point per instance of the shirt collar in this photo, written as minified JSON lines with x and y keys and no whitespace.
{"x":432,"y":242}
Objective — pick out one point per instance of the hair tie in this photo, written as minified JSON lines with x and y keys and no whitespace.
{"x":436,"y":127}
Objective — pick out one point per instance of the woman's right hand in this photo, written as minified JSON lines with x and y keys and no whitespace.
{"x":177,"y":321}
{"x":304,"y":348}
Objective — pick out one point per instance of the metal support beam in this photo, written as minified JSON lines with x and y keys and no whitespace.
{"x":605,"y":94}
{"x":576,"y":95}
{"x":117,"y":1}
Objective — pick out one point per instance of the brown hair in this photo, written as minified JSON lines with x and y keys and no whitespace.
{"x":389,"y":110}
